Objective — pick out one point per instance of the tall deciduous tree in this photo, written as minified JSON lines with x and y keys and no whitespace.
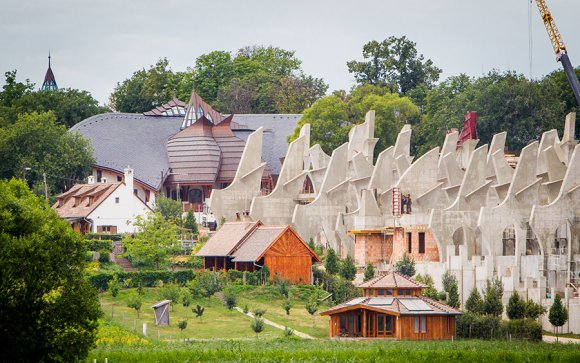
{"x":49,"y":311}
{"x":37,"y":142}
{"x":394,"y":63}
{"x":146,"y":89}
{"x":154,"y":243}
{"x":170,"y":209}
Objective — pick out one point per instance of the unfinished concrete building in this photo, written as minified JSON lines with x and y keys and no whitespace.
{"x":461,"y":208}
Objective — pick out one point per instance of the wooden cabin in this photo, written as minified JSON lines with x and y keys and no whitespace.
{"x":392,"y":307}
{"x":250,"y":245}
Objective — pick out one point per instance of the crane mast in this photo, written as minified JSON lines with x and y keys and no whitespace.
{"x":559,"y":47}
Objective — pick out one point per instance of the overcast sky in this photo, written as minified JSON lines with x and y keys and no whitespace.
{"x":95,"y":44}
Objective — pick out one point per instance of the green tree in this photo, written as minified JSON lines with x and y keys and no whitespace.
{"x":208,"y":283}
{"x":369,"y":272}
{"x":186,"y":299}
{"x":49,"y":309}
{"x":450,"y":286}
{"x":170,"y":209}
{"x":492,"y":295}
{"x":190,"y":223}
{"x":182,"y":325}
{"x":135,"y":302}
{"x":150,"y":88}
{"x":114,"y":286}
{"x":474,"y":303}
{"x":213,"y":71}
{"x":37,"y":142}
{"x":348,"y":269}
{"x":406,"y":266}
{"x":564,"y":91}
{"x":394,"y":63}
{"x":171,"y":292}
{"x":431,"y":292}
{"x":534,"y":310}
{"x":230,"y":299}
{"x":312,"y":307}
{"x":155,"y":242}
{"x":198,"y":311}
{"x":283,"y":288}
{"x":516,"y":307}
{"x":558,"y":314}
{"x":294,"y":94}
{"x":287,"y":305}
{"x":257,"y":326}
{"x":259,"y":312}
{"x":331,"y":262}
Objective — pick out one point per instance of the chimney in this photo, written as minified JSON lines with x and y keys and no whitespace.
{"x":246,"y":216}
{"x":129,"y":179}
{"x":91,"y":179}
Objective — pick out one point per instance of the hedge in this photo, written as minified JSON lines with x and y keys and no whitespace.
{"x":98,"y":245}
{"x":101,"y":280}
{"x":478,"y":326}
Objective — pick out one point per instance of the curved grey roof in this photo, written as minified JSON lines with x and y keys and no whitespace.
{"x":125,"y":139}
{"x":276,"y":129}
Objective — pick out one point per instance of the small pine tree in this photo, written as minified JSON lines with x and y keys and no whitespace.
{"x":257,"y":326}
{"x":348,"y":269}
{"x":534,"y":310}
{"x":230,"y":299}
{"x":369,"y":272}
{"x":287,"y":306}
{"x":190,"y":223}
{"x":331,"y":262}
{"x":406,"y":266}
{"x":492,"y":295}
{"x":516,"y":307}
{"x":451,"y":288}
{"x":558,"y":314}
{"x":474,"y":303}
{"x":283,"y":288}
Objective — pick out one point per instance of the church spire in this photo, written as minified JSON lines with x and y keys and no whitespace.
{"x":49,"y":83}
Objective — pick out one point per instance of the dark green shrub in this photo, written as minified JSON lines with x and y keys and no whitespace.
{"x":524,"y":329}
{"x":230,"y":299}
{"x":182,"y":277}
{"x":235,"y":276}
{"x":89,"y":256}
{"x":104,"y":256}
{"x":471,"y":325}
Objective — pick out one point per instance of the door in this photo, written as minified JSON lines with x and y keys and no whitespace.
{"x":385,"y":325}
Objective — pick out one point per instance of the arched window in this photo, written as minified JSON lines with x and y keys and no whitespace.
{"x":560,"y":244}
{"x":532,"y":245}
{"x":509,"y":241}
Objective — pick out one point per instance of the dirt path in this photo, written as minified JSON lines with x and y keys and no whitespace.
{"x":275,"y":325}
{"x":552,"y":339}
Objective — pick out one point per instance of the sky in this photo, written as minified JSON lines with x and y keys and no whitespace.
{"x":95,"y":44}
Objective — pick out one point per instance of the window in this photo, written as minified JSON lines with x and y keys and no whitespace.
{"x":423,"y":324}
{"x":400,"y":292}
{"x":409,"y":242}
{"x":117,"y":200}
{"x":421,"y":242}
{"x":416,"y":330}
{"x":135,"y":191}
{"x":119,"y":178}
{"x":147,"y":195}
{"x":342,"y":323}
{"x":408,"y":292}
{"x":99,"y":176}
{"x":381,"y":292}
{"x":389,"y":292}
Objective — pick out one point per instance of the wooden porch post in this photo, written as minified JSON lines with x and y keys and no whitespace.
{"x":364,"y":325}
{"x":236,"y":265}
{"x":215,"y":263}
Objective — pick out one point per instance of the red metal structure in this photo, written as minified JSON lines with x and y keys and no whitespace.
{"x":469,"y":130}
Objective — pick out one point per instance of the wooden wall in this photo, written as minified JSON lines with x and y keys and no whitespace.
{"x":438,"y":327}
{"x":289,"y":258}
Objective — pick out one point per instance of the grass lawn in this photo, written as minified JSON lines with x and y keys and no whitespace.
{"x":326,"y":350}
{"x":218,"y":322}
{"x":269,"y":298}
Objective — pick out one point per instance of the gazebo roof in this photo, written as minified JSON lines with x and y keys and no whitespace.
{"x":392,"y":280}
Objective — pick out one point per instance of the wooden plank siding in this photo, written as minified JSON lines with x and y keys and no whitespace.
{"x":289,"y":258}
{"x":437,"y":327}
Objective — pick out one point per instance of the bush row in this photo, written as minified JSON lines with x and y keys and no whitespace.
{"x":98,"y":245}
{"x":483,"y":326}
{"x":101,"y":280}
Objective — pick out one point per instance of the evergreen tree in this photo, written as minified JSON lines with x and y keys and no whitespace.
{"x":516,"y":307}
{"x":331,"y":262}
{"x":190,"y":223}
{"x":534,"y":310}
{"x":406,"y":266}
{"x":348,"y":269}
{"x":451,"y":288}
{"x":558,"y":314}
{"x":369,"y":272}
{"x":492,"y":296}
{"x":474,"y":303}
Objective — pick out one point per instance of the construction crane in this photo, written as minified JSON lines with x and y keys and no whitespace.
{"x":559,"y":48}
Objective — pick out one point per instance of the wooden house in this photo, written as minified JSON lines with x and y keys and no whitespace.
{"x":392,"y":307}
{"x":250,"y":245}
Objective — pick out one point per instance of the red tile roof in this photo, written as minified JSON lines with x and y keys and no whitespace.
{"x":392,"y":280}
{"x":82,"y":199}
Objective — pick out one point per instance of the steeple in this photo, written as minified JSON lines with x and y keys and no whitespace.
{"x":49,"y":83}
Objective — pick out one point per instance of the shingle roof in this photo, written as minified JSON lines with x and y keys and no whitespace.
{"x":258,"y":242}
{"x":123,"y":139}
{"x":392,"y":280}
{"x":82,"y":199}
{"x":227,"y":238}
{"x":397,"y":306}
